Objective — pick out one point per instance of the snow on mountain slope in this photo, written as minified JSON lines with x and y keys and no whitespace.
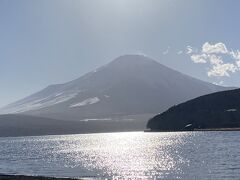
{"x":131,"y":84}
{"x":88,"y":101}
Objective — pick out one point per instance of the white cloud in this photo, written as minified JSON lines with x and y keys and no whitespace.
{"x":218,"y":48}
{"x":238,"y":63}
{"x":214,"y":55}
{"x":215,"y":60}
{"x":235,"y":55}
{"x":199,"y":58}
{"x":222,"y":70}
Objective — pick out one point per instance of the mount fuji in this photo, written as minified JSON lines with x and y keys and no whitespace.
{"x":127,"y":88}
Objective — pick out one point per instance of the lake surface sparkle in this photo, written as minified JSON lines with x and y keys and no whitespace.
{"x":134,"y":155}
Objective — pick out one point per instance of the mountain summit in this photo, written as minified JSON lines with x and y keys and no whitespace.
{"x":129,"y":85}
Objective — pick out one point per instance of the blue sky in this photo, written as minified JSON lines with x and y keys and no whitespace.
{"x":46,"y":42}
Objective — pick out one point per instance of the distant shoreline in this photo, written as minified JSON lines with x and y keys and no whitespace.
{"x":23,"y":177}
{"x":68,"y":134}
{"x":219,"y":129}
{"x":146,"y":130}
{"x":207,"y":129}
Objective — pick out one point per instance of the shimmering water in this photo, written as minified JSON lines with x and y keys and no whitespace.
{"x":135,"y":155}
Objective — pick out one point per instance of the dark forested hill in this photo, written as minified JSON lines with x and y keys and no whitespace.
{"x":217,"y":110}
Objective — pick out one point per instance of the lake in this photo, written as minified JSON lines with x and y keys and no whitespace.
{"x":135,"y":155}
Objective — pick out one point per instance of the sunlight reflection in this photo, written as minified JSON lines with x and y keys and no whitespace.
{"x":127,"y":155}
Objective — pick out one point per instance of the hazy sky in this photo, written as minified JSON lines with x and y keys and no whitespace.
{"x":45,"y":42}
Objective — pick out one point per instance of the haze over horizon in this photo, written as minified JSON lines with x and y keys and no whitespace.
{"x":49,"y":42}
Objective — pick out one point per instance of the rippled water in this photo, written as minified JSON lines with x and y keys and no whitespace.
{"x":170,"y":155}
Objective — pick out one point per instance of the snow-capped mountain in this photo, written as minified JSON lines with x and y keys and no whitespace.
{"x":131,"y":84}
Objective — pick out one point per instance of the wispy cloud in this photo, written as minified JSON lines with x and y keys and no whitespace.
{"x":189,"y":50}
{"x":214,"y":55}
{"x":166,"y":51}
{"x":179,"y":52}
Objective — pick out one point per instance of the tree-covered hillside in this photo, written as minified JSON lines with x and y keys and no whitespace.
{"x":217,"y":110}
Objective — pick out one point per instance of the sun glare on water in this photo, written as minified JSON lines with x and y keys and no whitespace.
{"x":126,"y":155}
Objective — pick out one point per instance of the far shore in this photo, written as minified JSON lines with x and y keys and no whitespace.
{"x":22,"y":177}
{"x":207,"y":129}
{"x":146,"y":130}
{"x":219,"y":129}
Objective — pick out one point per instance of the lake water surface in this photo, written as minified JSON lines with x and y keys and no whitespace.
{"x":134,"y":155}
